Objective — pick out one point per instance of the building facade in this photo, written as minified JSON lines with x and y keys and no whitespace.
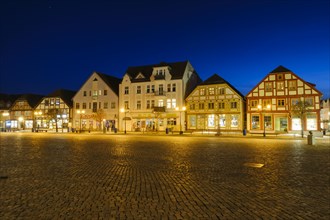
{"x":22,"y":112}
{"x":325,"y":114}
{"x":95,"y":105}
{"x":54,"y":112}
{"x":270,"y":103}
{"x":152,"y":97}
{"x":215,"y":105}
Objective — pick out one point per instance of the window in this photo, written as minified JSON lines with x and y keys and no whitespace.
{"x":255,"y":122}
{"x":192,"y":106}
{"x":233,"y":105}
{"x":90,"y":93}
{"x":280,"y":85}
{"x":294,"y":101}
{"x":310,"y":101}
{"x":254,"y":103}
{"x":280,"y":102}
{"x":161,"y":89}
{"x":211,"y":105}
{"x":173,"y":87}
{"x":221,"y":91}
{"x":222,"y":120}
{"x":296,"y":124}
{"x":46,"y":102}
{"x":90,"y":105}
{"x":268,"y":122}
{"x":221,"y":105}
{"x":152,"y":88}
{"x":173,"y":103}
{"x":126,"y":105}
{"x":148,"y":104}
{"x":311,"y":121}
{"x":168,"y":87}
{"x":138,"y":90}
{"x":211,"y":91}
{"x":234,"y":121}
{"x":84,"y":106}
{"x":152,"y":103}
{"x":201,"y":106}
{"x":100,"y":92}
{"x":85,"y":93}
{"x":202,"y":91}
{"x":105,"y":105}
{"x":160,"y":103}
{"x":169,"y":104}
{"x":94,"y":107}
{"x":138,"y":104}
{"x":148,"y":88}
{"x":126,"y":90}
{"x":292,"y":85}
{"x":280,"y":77}
{"x":77,"y":105}
{"x":94,"y":92}
{"x":210,"y":121}
{"x":268,"y":86}
{"x":267,"y":102}
{"x":52,"y":101}
{"x":105,"y":92}
{"x":57,"y":101}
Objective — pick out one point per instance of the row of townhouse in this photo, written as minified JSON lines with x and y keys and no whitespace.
{"x":170,"y":97}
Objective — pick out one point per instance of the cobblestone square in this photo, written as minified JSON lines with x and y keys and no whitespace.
{"x":95,"y":176}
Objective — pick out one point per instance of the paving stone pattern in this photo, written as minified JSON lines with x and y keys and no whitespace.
{"x":82,"y":176}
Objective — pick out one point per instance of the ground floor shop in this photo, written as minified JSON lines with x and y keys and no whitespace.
{"x":274,"y":122}
{"x":216,"y":122}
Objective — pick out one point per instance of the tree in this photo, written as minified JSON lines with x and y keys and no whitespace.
{"x":300,"y":109}
{"x":99,"y":116}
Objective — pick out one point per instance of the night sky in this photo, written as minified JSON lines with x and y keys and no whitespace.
{"x":48,"y":45}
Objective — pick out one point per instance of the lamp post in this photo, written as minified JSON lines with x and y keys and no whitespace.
{"x":80,"y":112}
{"x":181,"y":110}
{"x":124,"y":111}
{"x":263,"y":113}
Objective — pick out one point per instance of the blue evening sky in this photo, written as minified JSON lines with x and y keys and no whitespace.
{"x":50,"y":44}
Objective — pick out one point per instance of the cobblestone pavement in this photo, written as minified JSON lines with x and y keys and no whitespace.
{"x":83,"y":176}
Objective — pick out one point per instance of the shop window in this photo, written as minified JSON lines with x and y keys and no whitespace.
{"x":222,"y":120}
{"x":210,"y":121}
{"x":268,"y":122}
{"x":296,"y":124}
{"x":234,"y":120}
{"x":255,"y":122}
{"x":311,"y":122}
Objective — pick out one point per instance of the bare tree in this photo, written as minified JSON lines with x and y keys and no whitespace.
{"x":99,"y":116}
{"x":300,"y":110}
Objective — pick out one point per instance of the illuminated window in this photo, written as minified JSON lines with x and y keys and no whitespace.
{"x":255,"y":122}
{"x":210,"y":121}
{"x":311,"y":122}
{"x":266,"y":102}
{"x":268,"y":122}
{"x":202,"y":91}
{"x":173,"y":103}
{"x":234,"y":120}
{"x":211,"y":91}
{"x":169,"y":104}
{"x":222,"y":120}
{"x":280,"y":85}
{"x":160,"y":103}
{"x":296,"y":124}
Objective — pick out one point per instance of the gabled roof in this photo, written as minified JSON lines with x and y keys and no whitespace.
{"x":111,"y":81}
{"x":280,"y":69}
{"x":32,"y":99}
{"x":6,"y":100}
{"x":64,"y":94}
{"x":177,"y":70}
{"x":216,"y":79}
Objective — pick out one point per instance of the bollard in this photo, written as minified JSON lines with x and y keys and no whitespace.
{"x":310,"y":139}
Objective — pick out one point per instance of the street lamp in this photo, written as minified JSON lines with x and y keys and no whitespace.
{"x":124,"y":111}
{"x":182,"y":109}
{"x":263,"y":113}
{"x":80,"y":112}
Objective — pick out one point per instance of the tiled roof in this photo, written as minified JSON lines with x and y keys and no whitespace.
{"x":32,"y":99}
{"x":111,"y":81}
{"x":65,"y":95}
{"x":280,"y":69}
{"x":216,"y":79}
{"x":177,"y":70}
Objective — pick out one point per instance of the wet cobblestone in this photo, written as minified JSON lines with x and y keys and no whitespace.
{"x":78,"y":176}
